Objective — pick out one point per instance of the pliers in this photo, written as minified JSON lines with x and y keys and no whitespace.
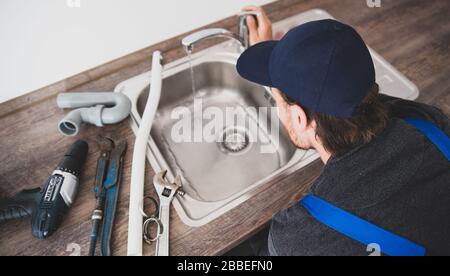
{"x":106,"y":191}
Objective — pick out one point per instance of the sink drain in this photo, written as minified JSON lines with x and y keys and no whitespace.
{"x":234,"y":140}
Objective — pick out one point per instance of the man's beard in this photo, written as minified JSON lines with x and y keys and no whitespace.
{"x":296,"y":141}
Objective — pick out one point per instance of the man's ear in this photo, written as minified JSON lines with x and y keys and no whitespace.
{"x":299,"y":119}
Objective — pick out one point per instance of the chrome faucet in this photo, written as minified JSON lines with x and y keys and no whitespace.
{"x":243,"y":37}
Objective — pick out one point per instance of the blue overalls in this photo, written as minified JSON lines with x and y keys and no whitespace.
{"x":366,"y":232}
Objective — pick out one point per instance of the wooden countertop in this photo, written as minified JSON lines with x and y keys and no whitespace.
{"x":412,"y":35}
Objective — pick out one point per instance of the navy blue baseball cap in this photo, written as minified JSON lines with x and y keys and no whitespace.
{"x":324,"y":66}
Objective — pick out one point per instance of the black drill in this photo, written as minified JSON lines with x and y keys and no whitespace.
{"x":47,"y":206}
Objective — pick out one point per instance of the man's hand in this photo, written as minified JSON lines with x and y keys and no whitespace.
{"x":260,"y":29}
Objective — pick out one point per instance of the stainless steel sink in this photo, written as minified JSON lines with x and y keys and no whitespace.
{"x":215,"y":171}
{"x":218,"y":176}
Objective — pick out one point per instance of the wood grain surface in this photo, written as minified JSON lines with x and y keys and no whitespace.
{"x":413,"y":35}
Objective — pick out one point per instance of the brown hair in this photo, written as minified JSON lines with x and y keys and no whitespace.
{"x":339,"y":135}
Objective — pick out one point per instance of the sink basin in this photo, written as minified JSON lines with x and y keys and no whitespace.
{"x":217,"y":175}
{"x":221,"y":173}
{"x":217,"y":170}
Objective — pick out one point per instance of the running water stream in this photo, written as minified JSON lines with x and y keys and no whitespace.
{"x":197,"y":115}
{"x":191,"y":69}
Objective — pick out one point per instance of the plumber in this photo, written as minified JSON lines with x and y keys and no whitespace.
{"x":386,"y":178}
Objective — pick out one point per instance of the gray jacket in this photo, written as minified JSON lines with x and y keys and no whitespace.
{"x":400,"y":182}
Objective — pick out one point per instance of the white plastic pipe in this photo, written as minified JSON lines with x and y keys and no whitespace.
{"x":135,"y":219}
{"x":97,"y":108}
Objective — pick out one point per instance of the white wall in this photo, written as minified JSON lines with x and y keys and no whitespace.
{"x":44,"y":41}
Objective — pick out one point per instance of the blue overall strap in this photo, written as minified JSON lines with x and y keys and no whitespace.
{"x":436,"y":135}
{"x":359,"y":229}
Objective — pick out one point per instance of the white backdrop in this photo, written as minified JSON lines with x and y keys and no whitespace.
{"x":44,"y":41}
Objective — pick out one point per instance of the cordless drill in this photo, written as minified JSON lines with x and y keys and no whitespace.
{"x":47,"y":206}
